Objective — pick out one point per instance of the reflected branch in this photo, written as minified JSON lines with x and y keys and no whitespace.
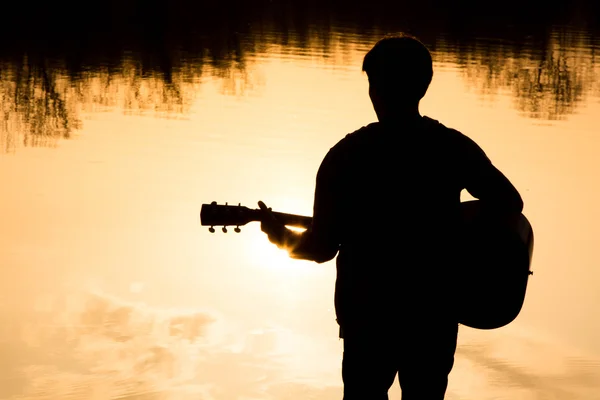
{"x":149,"y":57}
{"x":34,"y":109}
{"x":547,"y":79}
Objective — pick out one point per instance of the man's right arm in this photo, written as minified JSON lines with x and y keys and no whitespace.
{"x":485,"y":182}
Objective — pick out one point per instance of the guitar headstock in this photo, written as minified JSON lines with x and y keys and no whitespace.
{"x":226,"y":215}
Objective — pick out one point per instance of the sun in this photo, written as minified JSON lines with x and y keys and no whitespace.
{"x":268,"y":256}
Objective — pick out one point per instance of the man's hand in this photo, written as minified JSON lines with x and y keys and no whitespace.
{"x":274,"y":229}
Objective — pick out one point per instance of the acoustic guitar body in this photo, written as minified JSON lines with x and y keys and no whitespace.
{"x":492,"y":282}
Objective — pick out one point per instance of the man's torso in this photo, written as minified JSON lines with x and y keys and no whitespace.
{"x":397,"y":195}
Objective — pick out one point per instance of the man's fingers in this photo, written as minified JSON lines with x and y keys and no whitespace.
{"x":266,"y":211}
{"x":262,"y":206}
{"x":270,"y":225}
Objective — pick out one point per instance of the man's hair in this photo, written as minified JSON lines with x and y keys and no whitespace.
{"x":399,"y":68}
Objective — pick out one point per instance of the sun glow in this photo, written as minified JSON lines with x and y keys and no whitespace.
{"x":269,"y":256}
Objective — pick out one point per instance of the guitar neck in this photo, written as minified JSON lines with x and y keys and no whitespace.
{"x":299,"y":221}
{"x":230,"y":215}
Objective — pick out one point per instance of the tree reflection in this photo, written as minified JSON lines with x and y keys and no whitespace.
{"x":547,"y":79}
{"x":42,"y":103}
{"x":34,"y":105}
{"x":149,"y":57}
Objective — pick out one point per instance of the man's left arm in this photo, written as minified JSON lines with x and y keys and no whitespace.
{"x":320,"y":242}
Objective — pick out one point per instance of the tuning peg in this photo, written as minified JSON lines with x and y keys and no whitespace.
{"x":224,"y":229}
{"x":237,"y":229}
{"x":211,"y":229}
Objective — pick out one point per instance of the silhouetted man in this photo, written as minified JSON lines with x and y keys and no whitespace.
{"x":387,"y":202}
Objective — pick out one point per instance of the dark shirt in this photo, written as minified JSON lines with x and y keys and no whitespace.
{"x":387,"y":198}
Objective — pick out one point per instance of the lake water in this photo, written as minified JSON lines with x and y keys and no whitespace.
{"x":116,"y":126}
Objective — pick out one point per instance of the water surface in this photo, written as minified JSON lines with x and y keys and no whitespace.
{"x":115,"y":129}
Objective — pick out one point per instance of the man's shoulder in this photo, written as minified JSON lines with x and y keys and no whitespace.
{"x":450,"y":136}
{"x":361,"y":133}
{"x":342,"y":151}
{"x":435,"y":126}
{"x":355,"y":138}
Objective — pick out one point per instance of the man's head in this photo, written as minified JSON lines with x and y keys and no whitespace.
{"x":399,"y":69}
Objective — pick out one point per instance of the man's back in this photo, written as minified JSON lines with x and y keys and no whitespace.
{"x":396,"y":189}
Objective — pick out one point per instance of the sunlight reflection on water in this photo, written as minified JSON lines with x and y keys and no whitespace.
{"x":93,"y":345}
{"x":108,"y":162}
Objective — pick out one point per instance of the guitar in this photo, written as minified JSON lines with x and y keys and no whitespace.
{"x":491,"y":281}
